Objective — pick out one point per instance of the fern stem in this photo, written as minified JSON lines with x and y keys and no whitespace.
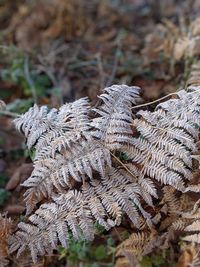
{"x":123,"y":165}
{"x":155,"y":101}
{"x":166,"y":130}
{"x":160,"y":99}
{"x":9,"y":114}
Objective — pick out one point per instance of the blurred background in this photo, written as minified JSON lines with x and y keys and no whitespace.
{"x":56,"y":51}
{"x":53,"y":51}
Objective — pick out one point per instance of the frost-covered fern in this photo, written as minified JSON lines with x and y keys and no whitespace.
{"x":95,"y":165}
{"x":167,"y":139}
{"x":76,"y":210}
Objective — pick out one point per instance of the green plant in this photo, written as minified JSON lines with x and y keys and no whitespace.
{"x":20,"y":71}
{"x":87,"y":253}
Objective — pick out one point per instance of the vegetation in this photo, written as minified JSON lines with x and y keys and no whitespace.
{"x":99,"y":181}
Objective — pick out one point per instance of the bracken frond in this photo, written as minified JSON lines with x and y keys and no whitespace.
{"x":75,"y":211}
{"x":167,"y":139}
{"x":96,"y":169}
{"x":138,"y":245}
{"x":113,"y":125}
{"x":194,"y":226}
{"x":6,"y":226}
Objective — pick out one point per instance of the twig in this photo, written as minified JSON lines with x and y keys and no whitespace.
{"x":123,"y":165}
{"x":155,"y":101}
{"x":9,"y":114}
{"x":29,"y":80}
{"x":160,"y":99}
{"x":119,"y":161}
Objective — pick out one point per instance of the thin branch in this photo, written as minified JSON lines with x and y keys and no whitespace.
{"x":155,"y":101}
{"x":9,"y":114}
{"x":123,"y":165}
{"x":119,"y":161}
{"x":160,"y":99}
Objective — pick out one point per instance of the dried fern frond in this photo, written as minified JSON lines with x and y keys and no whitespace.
{"x":194,"y":226}
{"x":75,"y":211}
{"x":67,"y":150}
{"x":113,"y":127}
{"x":169,"y":211}
{"x":138,"y":245}
{"x":195,"y":187}
{"x":54,"y":133}
{"x":42,"y":126}
{"x":36,"y":122}
{"x":167,"y":139}
{"x":74,"y":123}
{"x":6,"y":226}
{"x":134,"y":244}
{"x":59,"y":172}
{"x":171,"y":200}
{"x":194,"y":237}
{"x":77,"y":167}
{"x":189,"y":255}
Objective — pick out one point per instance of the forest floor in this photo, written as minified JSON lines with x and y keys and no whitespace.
{"x":52,"y":52}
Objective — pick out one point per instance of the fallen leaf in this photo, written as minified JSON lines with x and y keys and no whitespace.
{"x":14,"y":209}
{"x":21,"y":174}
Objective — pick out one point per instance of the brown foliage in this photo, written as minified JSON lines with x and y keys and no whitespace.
{"x":6,"y":226}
